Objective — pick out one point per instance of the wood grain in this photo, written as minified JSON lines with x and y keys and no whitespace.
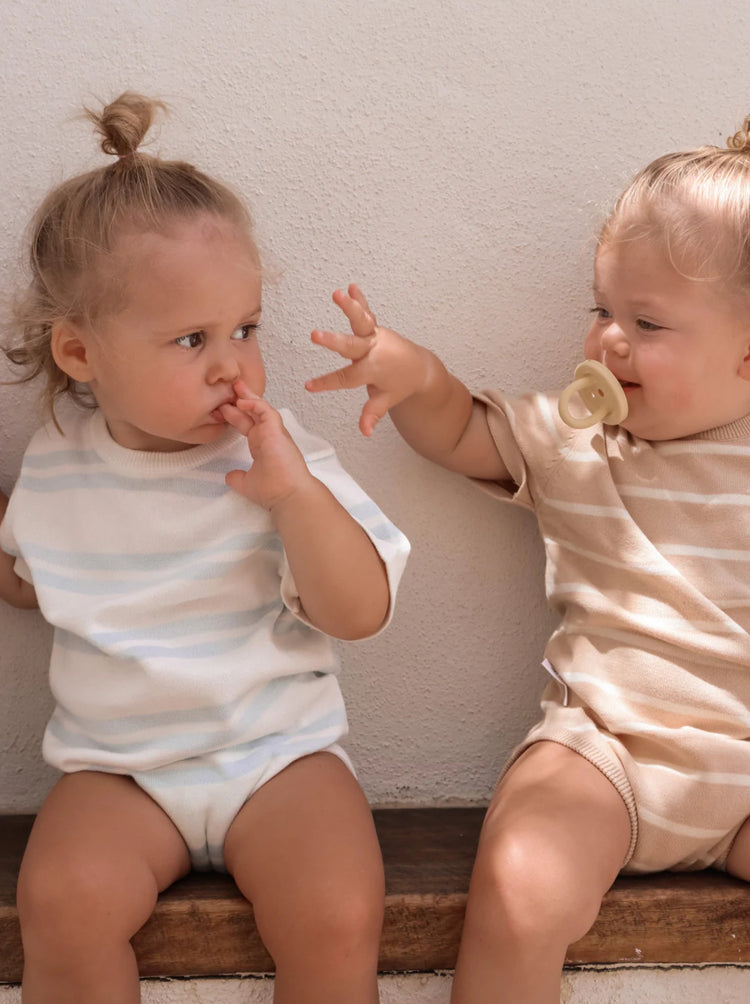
{"x":202,"y":926}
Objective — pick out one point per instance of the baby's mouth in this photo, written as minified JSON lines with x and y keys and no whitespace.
{"x":216,"y":413}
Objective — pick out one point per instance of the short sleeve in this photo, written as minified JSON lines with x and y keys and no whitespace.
{"x":530,"y":438}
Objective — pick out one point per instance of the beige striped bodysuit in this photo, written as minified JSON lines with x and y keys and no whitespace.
{"x":648,"y":564}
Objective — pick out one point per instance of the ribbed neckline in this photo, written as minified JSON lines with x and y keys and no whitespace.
{"x":148,"y":462}
{"x":740,"y":429}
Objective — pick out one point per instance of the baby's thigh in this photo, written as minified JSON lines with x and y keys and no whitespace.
{"x":738,"y":859}
{"x":303,"y":849}
{"x":98,"y":854}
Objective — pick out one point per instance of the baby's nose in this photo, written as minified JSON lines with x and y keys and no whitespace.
{"x":614,"y":340}
{"x":223,"y":366}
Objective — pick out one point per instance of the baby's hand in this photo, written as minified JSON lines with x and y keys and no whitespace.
{"x":390,"y":366}
{"x":278,"y":470}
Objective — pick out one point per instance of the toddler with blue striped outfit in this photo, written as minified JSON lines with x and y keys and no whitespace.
{"x":195,"y":551}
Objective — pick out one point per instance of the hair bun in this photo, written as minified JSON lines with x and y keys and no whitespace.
{"x":124,"y":122}
{"x":741,"y":139}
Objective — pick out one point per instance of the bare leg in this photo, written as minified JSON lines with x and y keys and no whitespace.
{"x":553,"y":841}
{"x":99,"y":853}
{"x":304,"y":851}
{"x":738,"y":862}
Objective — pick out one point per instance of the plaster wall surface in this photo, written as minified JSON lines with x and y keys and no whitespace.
{"x":454,"y":157}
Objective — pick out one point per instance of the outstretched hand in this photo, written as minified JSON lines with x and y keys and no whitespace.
{"x":278,"y":470}
{"x":390,"y":366}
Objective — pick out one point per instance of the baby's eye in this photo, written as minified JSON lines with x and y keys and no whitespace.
{"x":647,"y":325}
{"x":192,"y":341}
{"x":601,"y":313}
{"x":244,"y":332}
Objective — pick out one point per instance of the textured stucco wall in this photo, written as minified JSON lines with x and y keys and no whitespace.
{"x":454,"y":157}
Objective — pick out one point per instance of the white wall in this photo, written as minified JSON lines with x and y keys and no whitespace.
{"x":453,"y":156}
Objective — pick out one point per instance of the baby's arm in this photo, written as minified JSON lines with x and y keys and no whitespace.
{"x":432,"y":409}
{"x":340,"y":577}
{"x":13,"y":589}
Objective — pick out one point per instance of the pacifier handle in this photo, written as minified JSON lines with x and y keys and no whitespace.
{"x":600,"y":392}
{"x":579,"y":421}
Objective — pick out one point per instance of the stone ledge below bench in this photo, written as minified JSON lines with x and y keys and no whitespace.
{"x":203,"y":927}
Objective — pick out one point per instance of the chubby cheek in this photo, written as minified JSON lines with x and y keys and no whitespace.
{"x":164,"y":397}
{"x":592,"y":344}
{"x":253,"y":373}
{"x":678,"y":398}
{"x":256,"y":381}
{"x":671,"y":389}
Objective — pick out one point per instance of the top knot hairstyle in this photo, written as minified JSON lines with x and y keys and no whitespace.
{"x":697,"y":205}
{"x":123,"y":124}
{"x":74,"y":231}
{"x":741,"y":139}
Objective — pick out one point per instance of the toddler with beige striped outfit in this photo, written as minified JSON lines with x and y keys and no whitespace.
{"x":641,"y":760}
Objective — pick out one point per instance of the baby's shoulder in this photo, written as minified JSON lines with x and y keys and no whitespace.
{"x":53,"y":435}
{"x":65,"y":436}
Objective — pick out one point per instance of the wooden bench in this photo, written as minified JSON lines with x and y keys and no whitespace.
{"x":202,"y":926}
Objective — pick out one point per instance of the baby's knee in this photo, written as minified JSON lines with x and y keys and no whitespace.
{"x":70,"y":902}
{"x":523,"y":888}
{"x":51,"y":889}
{"x":336,"y":927}
{"x":350,"y":915}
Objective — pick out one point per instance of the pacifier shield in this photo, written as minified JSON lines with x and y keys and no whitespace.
{"x":600,"y":392}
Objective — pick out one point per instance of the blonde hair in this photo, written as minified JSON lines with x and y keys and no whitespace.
{"x":697,"y":204}
{"x":78,"y":223}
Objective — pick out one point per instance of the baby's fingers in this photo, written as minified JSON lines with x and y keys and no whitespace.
{"x":237,"y":419}
{"x":357,"y":313}
{"x":349,"y":346}
{"x":376,"y":407}
{"x":356,"y":294}
{"x":236,"y":480}
{"x":346,"y":378}
{"x":244,"y":393}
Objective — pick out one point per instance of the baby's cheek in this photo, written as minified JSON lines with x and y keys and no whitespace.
{"x":680,"y":399}
{"x":591,"y":346}
{"x":676,"y":387}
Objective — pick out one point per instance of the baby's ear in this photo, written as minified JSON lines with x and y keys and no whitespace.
{"x":69,"y":351}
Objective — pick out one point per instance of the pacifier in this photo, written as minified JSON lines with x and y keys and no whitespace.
{"x":601,"y":393}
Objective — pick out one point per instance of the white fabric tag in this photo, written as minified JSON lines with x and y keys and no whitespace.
{"x":556,"y":676}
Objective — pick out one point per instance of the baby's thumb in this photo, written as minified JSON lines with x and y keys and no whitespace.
{"x":375,"y":408}
{"x":236,"y":481}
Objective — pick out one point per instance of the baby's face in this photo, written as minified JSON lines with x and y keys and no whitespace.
{"x":679,"y":346}
{"x":164,"y":363}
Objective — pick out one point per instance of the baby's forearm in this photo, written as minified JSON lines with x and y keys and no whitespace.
{"x":443,"y":423}
{"x":433,"y":419}
{"x":340,"y":577}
